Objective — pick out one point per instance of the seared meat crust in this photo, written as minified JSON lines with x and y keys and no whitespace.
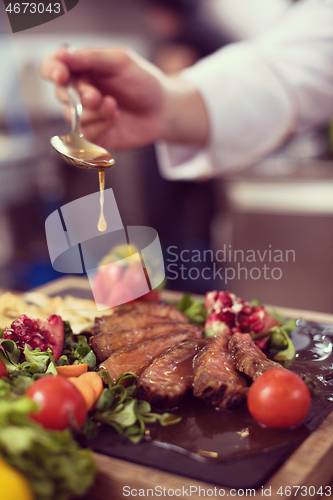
{"x":139,"y":315}
{"x":170,"y":376}
{"x":154,"y":308}
{"x":126,"y":322}
{"x":249,"y":359}
{"x":216,"y":380}
{"x":105,"y":343}
{"x":136,"y":358}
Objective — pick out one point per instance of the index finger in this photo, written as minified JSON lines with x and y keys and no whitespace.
{"x":55,"y":71}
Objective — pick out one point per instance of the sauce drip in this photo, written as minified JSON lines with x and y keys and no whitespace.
{"x":102,"y":225}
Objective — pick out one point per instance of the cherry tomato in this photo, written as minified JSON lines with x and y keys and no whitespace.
{"x":279,"y":398}
{"x":152,"y":295}
{"x":120,"y":294}
{"x":111,"y":276}
{"x":135,"y":279}
{"x":3,"y":369}
{"x":61,"y":403}
{"x":98,"y":288}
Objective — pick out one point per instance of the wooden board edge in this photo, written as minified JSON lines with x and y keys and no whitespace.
{"x":309,"y":466}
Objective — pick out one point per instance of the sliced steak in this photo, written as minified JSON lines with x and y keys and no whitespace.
{"x":136,"y":358}
{"x":249,"y":359}
{"x":104,"y":344}
{"x":170,"y":376}
{"x":216,"y":380}
{"x":126,"y":322}
{"x":154,"y":308}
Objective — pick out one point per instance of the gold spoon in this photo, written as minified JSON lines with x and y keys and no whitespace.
{"x":77,"y":151}
{"x":74,"y":148}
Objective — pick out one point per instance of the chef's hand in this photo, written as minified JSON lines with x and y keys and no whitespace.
{"x":127,"y":101}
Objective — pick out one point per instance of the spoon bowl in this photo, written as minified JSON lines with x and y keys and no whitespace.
{"x":74,"y":148}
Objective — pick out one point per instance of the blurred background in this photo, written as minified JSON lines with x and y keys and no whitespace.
{"x":284,"y":202}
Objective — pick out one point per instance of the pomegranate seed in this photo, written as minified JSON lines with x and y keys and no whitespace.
{"x":253,"y":318}
{"x":236,"y":314}
{"x":258,"y":327}
{"x":225,"y":299}
{"x":28,"y":322}
{"x":42,"y":333}
{"x":228,"y":318}
{"x":11,"y":335}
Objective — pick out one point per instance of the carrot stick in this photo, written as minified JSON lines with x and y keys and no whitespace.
{"x":91,"y":387}
{"x":68,"y":371}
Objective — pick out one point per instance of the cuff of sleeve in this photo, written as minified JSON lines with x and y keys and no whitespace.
{"x":181,"y":162}
{"x":251,"y":114}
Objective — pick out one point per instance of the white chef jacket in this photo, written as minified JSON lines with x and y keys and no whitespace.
{"x":259,"y":92}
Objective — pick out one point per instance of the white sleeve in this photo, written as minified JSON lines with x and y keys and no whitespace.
{"x":258,"y":93}
{"x":242,"y":19}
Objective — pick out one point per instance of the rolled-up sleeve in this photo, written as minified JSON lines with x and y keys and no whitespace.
{"x":258,"y":93}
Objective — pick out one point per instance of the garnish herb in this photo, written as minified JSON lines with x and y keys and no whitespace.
{"x":127,"y":415}
{"x":288,"y":352}
{"x":76,"y":350}
{"x":35,"y":364}
{"x":194,"y":310}
{"x":53,"y":463}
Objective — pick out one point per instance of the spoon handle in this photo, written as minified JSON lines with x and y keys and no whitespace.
{"x":76,"y":108}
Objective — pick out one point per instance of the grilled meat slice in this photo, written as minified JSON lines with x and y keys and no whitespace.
{"x":136,"y":358}
{"x":126,"y":322}
{"x":216,"y":380}
{"x":104,"y":344}
{"x":141,"y":311}
{"x":170,"y":376}
{"x":155,"y":308}
{"x":249,"y":359}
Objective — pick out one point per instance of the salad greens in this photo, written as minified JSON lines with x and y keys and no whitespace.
{"x":278,"y":343}
{"x":281,"y":342}
{"x":76,"y":350}
{"x":119,"y":409}
{"x":194,"y":310}
{"x":275,"y":341}
{"x":54,"y":464}
{"x":35,"y":361}
{"x":52,"y":461}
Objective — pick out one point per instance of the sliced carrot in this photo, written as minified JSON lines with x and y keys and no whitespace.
{"x":86,"y":390}
{"x":72,"y":370}
{"x":91,"y":387}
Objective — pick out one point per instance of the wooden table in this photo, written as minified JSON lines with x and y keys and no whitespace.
{"x":311,"y":465}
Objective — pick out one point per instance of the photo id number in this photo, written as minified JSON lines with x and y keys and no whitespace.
{"x":33,"y":8}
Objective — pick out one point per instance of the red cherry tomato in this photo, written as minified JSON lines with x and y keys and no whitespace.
{"x":98,"y":288}
{"x":279,"y":398}
{"x":134,"y":278}
{"x":121,"y":294}
{"x":152,"y":295}
{"x":61,"y":403}
{"x":3,"y":369}
{"x":111,"y":275}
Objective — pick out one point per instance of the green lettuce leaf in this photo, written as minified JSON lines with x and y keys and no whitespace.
{"x":54,"y":464}
{"x":194,"y":310}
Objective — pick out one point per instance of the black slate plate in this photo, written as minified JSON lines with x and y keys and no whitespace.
{"x":229,"y":448}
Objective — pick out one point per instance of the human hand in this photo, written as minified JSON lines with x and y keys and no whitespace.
{"x":127,"y":101}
